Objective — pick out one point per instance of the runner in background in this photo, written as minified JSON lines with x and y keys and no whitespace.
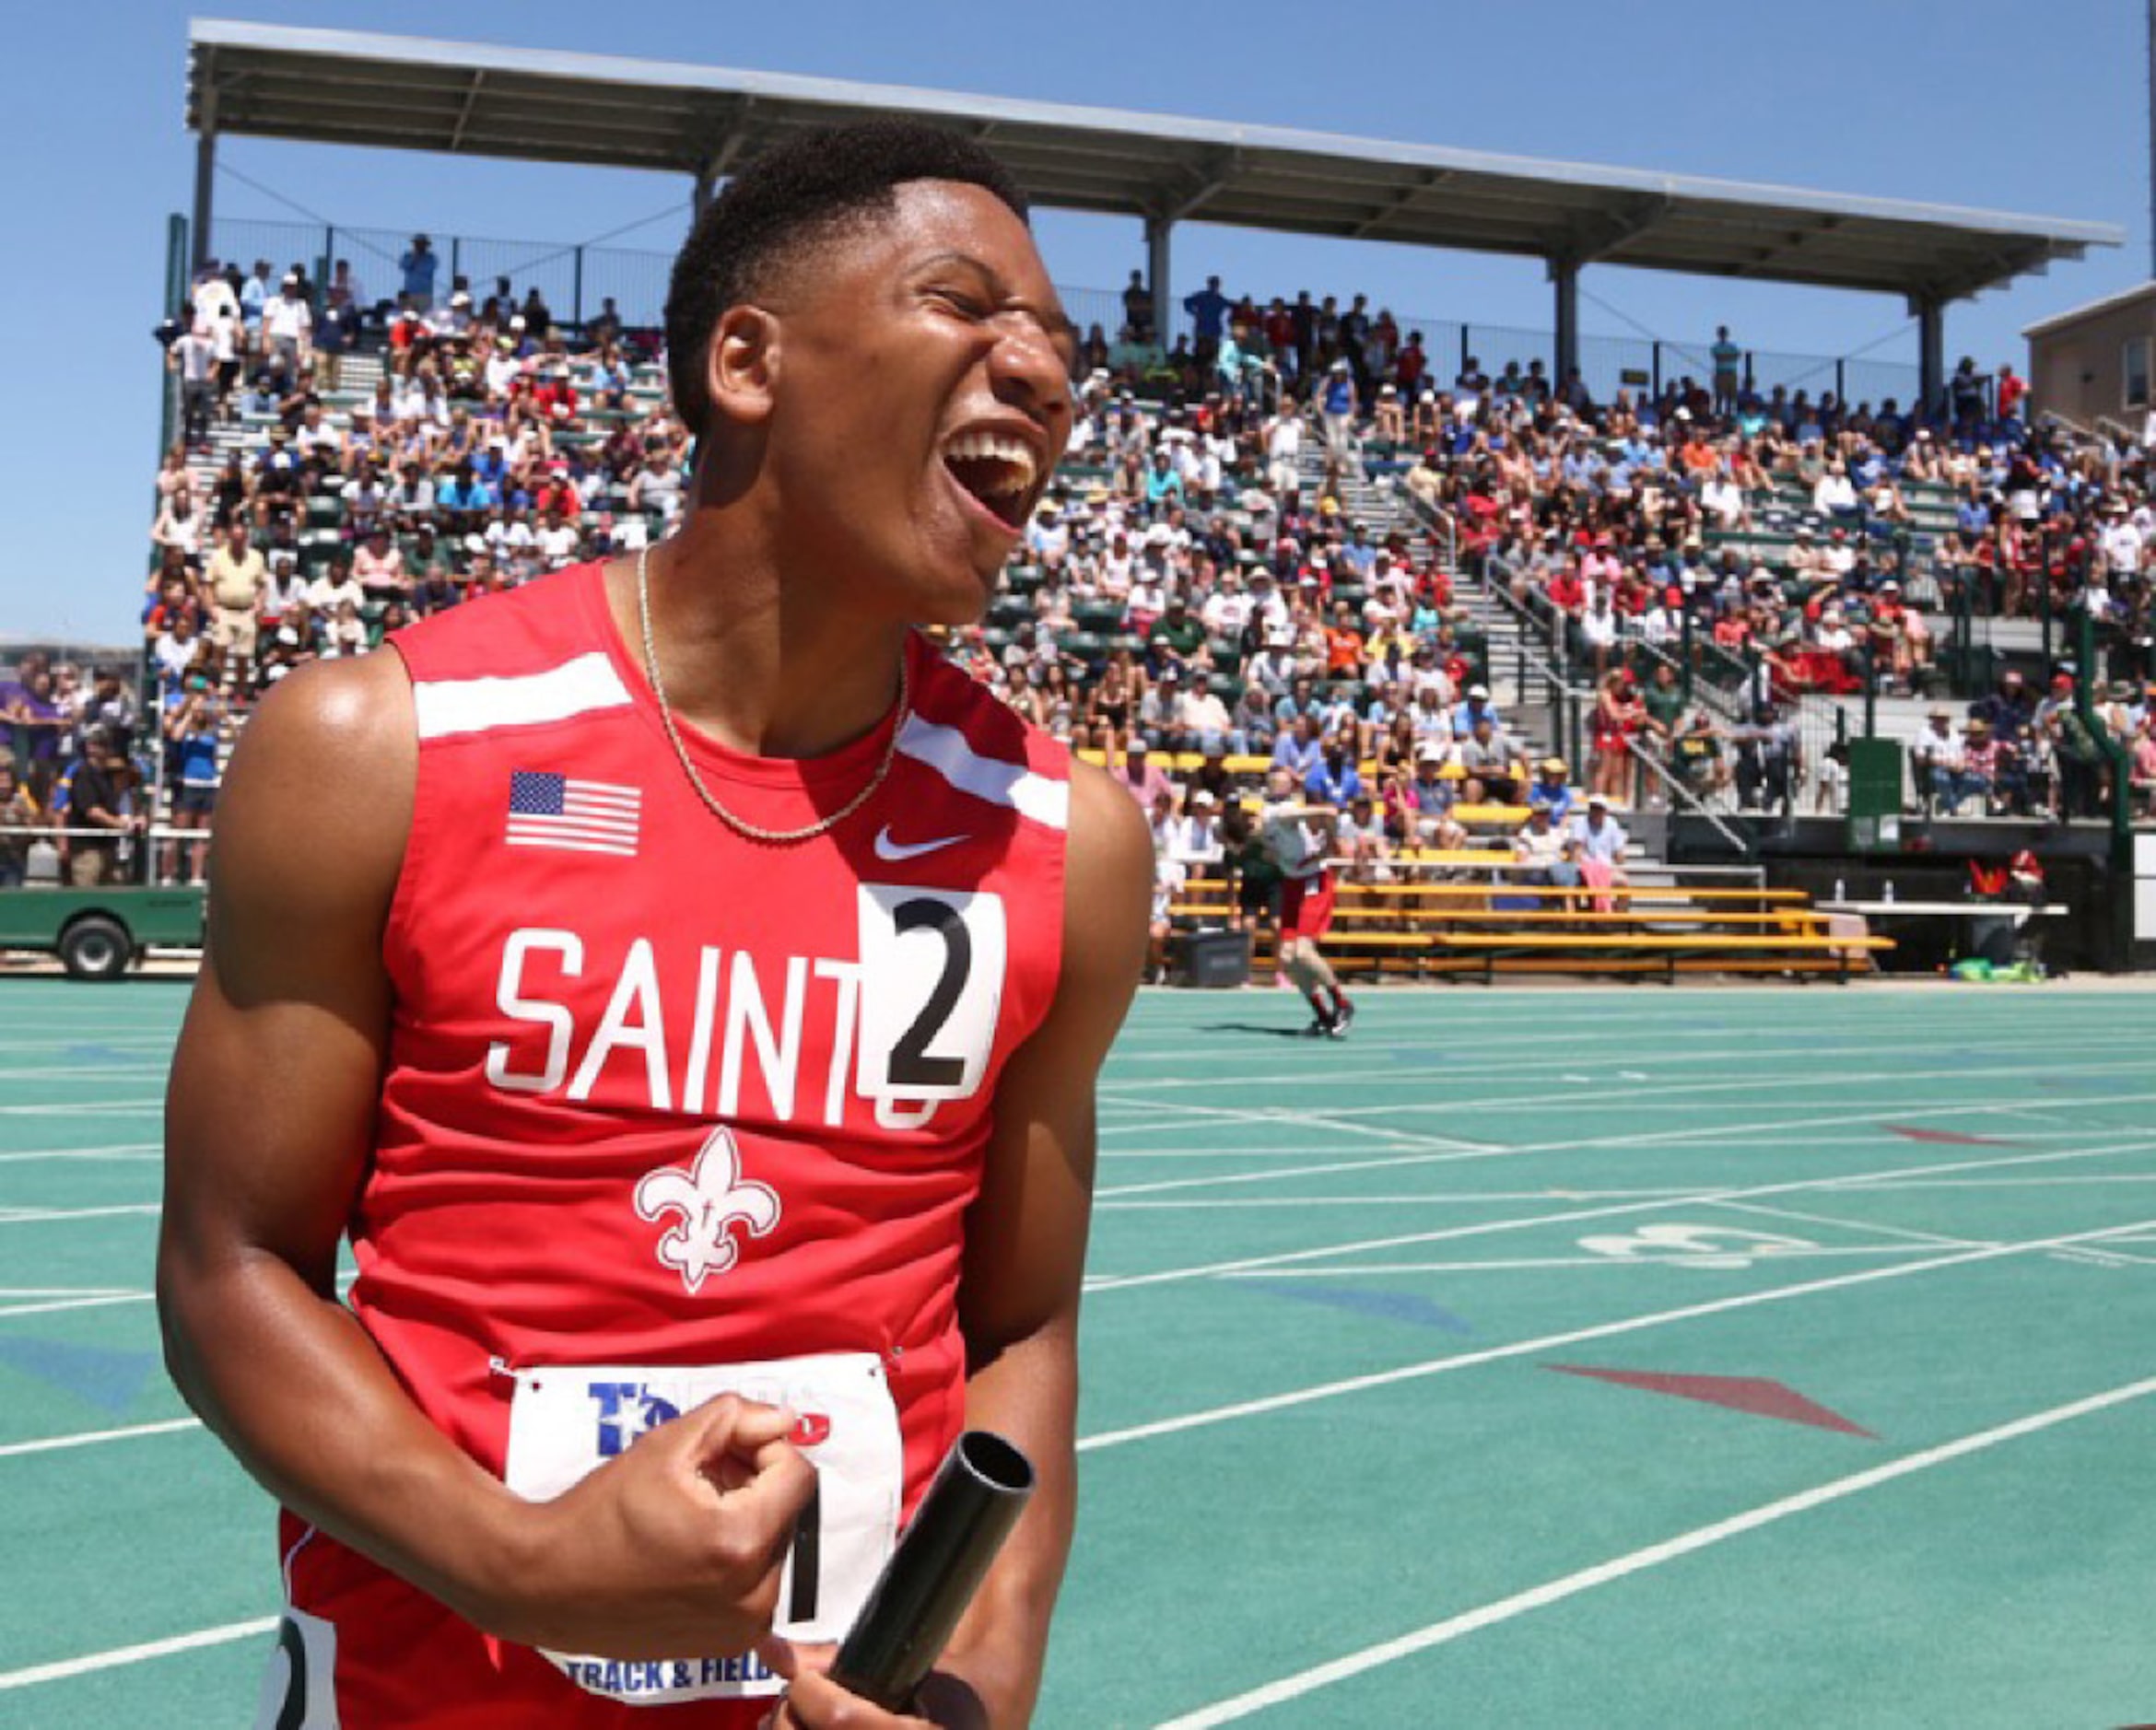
{"x":1297,"y":836}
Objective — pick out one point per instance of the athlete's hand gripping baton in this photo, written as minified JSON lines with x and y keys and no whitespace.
{"x":979,"y":1491}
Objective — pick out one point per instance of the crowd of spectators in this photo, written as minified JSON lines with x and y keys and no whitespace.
{"x":489,"y":448}
{"x":1204,"y":582}
{"x":1769,"y":542}
{"x":491,"y":444}
{"x":74,"y":767}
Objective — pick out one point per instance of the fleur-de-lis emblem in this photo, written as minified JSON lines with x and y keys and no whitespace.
{"x":710,"y":1197}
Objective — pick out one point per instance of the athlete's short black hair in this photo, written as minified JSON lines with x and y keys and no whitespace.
{"x":791,"y":197}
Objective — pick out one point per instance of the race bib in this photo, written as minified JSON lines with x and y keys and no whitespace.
{"x":931,"y":970}
{"x":565,"y":1422}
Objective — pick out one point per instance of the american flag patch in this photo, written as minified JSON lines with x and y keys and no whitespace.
{"x":560,"y":810}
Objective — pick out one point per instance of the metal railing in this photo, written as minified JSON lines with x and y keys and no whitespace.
{"x":574,"y":279}
{"x":137,"y":853}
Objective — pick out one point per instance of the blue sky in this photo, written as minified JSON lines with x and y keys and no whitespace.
{"x":1977,"y":103}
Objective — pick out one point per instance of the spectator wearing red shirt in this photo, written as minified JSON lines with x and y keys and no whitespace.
{"x":558,"y":493}
{"x":1566,"y":592}
{"x":554,"y":396}
{"x":1280,"y":332}
{"x":2011,"y":390}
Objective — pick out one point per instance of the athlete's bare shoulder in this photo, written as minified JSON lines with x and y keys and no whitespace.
{"x":315,"y":809}
{"x":1107,"y":872}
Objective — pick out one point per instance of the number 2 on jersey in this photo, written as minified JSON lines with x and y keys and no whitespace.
{"x":932,"y":965}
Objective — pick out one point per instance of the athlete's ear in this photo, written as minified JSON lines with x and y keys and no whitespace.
{"x":741,"y":364}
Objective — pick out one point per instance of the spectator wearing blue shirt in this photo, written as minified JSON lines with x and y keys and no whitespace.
{"x":419,"y":266}
{"x":1301,"y":700}
{"x":1727,"y":358}
{"x":1337,"y":409}
{"x":490,"y":463}
{"x":1163,"y":484}
{"x":334,"y":333}
{"x":1298,"y":749}
{"x":1335,"y":779}
{"x":1551,"y":790}
{"x":253,"y":294}
{"x":1476,"y":705}
{"x":1208,"y":309}
{"x":464,"y":498}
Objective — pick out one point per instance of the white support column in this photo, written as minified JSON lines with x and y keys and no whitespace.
{"x":1157,"y":230}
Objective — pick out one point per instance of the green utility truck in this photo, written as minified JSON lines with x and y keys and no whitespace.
{"x":100,"y":933}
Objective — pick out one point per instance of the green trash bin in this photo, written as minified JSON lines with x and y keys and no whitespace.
{"x":1875,"y":795}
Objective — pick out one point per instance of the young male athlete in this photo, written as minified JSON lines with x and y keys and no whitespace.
{"x":1296,"y":834}
{"x":685,"y":990}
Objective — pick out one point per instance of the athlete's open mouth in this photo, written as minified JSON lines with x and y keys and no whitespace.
{"x":997,"y":469}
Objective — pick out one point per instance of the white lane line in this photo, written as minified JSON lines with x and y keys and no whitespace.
{"x":118,"y":1151}
{"x":1323,"y":1168}
{"x":1888,"y":1187}
{"x":1303,"y":1682}
{"x":112,"y":1042}
{"x":1601,"y":1330}
{"x":1751,"y":1144}
{"x":1222,"y":1204}
{"x":83,"y":1071}
{"x":2108,"y":1257}
{"x":48,"y":1216}
{"x":1863,"y":1227}
{"x":1241,"y":1152}
{"x":1704,"y":1197}
{"x":92,"y":1438}
{"x":76,"y":1303}
{"x":63,"y":1290}
{"x":1899,"y":1077}
{"x":120,"y":1657}
{"x":1708,"y":1136}
{"x":1764,"y":1252}
{"x":1676,"y":1140}
{"x":1290,"y":1687}
{"x":91,"y":1108}
{"x":1287,"y":1116}
{"x":1454,"y":1053}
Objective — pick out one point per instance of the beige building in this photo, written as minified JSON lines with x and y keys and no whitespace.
{"x":2092,"y":364}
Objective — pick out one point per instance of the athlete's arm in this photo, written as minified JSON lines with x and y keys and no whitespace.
{"x":269,"y":1123}
{"x":1025,"y":1253}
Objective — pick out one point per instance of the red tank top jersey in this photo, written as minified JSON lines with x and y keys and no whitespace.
{"x":660,"y":1095}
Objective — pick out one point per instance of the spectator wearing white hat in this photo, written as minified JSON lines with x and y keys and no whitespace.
{"x":1193,"y":840}
{"x":1472,"y":708}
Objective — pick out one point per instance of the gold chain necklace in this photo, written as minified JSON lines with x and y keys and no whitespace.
{"x":769,"y":837}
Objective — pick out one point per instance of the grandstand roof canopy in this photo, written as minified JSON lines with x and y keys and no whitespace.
{"x":339,"y":86}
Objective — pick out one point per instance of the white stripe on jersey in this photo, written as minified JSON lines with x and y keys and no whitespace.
{"x":449,"y":706}
{"x":947,"y":751}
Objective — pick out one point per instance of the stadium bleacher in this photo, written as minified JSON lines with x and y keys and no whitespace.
{"x":1789,"y":557}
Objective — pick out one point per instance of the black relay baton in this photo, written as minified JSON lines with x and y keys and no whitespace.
{"x":979,"y":1490}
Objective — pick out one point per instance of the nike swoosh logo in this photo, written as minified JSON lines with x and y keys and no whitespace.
{"x":895,"y":851}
